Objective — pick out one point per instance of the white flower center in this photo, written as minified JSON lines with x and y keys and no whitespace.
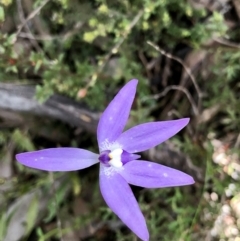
{"x":115,"y":157}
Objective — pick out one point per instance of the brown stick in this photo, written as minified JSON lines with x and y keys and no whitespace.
{"x":20,"y":98}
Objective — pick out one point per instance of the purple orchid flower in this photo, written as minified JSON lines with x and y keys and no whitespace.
{"x":118,"y":161}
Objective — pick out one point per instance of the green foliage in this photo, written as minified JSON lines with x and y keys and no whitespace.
{"x":32,"y":214}
{"x":22,"y":141}
{"x":54,"y":202}
{"x":225,"y":78}
{"x":3,"y":225}
{"x":2,"y":14}
{"x":73,"y":59}
{"x":90,"y":49}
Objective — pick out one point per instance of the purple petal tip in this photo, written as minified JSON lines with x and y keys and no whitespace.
{"x":187,"y":119}
{"x":134,"y":80}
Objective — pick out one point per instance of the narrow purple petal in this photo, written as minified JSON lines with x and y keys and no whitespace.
{"x":58,"y":159}
{"x":115,"y":116}
{"x":127,"y":157}
{"x":119,"y":197}
{"x":148,"y":135}
{"x":153,"y":175}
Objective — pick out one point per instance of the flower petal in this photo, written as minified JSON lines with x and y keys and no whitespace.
{"x":148,"y":135}
{"x":119,"y":197}
{"x":153,"y":175}
{"x":58,"y":159}
{"x":127,"y":157}
{"x":115,"y":116}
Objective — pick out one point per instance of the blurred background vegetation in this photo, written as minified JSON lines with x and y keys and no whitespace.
{"x":61,"y":63}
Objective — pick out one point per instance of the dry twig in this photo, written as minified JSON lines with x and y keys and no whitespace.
{"x":226,"y":43}
{"x":30,"y":16}
{"x":62,"y":37}
{"x":182,"y":63}
{"x":23,"y":20}
{"x":22,"y":99}
{"x":175,"y":87}
{"x":145,"y":63}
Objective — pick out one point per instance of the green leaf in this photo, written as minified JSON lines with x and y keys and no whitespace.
{"x":22,"y":141}
{"x":32,"y":214}
{"x":3,"y":225}
{"x":2,"y":14}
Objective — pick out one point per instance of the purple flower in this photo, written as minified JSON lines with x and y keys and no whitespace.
{"x":118,"y":161}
